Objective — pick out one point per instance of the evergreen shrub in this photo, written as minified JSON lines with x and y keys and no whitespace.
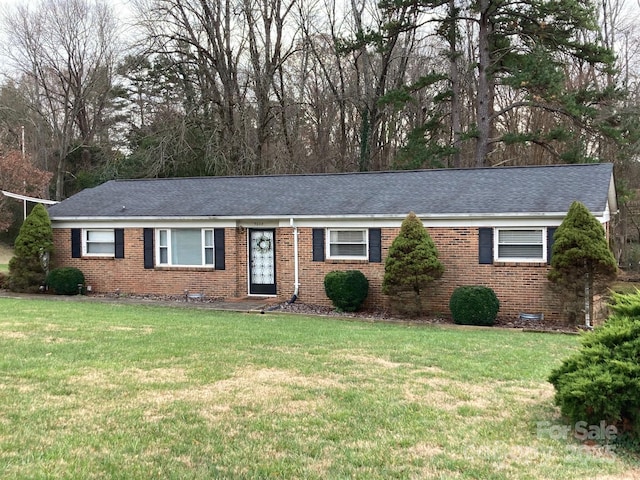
{"x":474,"y":305}
{"x":581,"y":261}
{"x":28,"y":266}
{"x":411,"y":267}
{"x":599,"y":383}
{"x":65,"y":280}
{"x":346,"y":289}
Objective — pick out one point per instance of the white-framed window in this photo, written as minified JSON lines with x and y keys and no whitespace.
{"x":98,"y":242}
{"x":349,"y":244}
{"x":520,"y":244}
{"x":185,"y":247}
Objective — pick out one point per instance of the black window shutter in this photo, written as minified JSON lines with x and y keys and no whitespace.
{"x":118,"y":235}
{"x":318,"y":244}
{"x":485,"y":244}
{"x":375,"y":245}
{"x":550,"y":232}
{"x":218,"y":242}
{"x":76,"y":243}
{"x":148,"y":247}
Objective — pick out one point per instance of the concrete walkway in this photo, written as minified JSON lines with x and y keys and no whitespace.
{"x":247,"y":305}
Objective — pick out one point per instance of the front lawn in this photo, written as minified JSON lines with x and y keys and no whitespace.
{"x":92,"y":390}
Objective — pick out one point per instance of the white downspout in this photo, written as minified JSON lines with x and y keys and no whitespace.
{"x":296,"y":279}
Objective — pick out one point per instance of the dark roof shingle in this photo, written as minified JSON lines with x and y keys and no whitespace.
{"x":485,"y":191}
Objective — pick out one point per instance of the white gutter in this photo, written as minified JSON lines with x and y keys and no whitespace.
{"x":444,"y":216}
{"x":296,"y":279}
{"x":366,"y":216}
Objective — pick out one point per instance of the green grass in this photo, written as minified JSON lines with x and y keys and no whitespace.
{"x":91,"y":390}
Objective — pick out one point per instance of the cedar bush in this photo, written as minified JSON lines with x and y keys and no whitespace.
{"x":347,"y":290}
{"x":65,"y":280}
{"x":411,"y":266}
{"x":600,"y":381}
{"x":27,"y":269}
{"x":474,"y":305}
{"x":581,"y":261}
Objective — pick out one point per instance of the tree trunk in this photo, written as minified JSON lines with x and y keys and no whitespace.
{"x":365,"y":132}
{"x":454,"y":78}
{"x":486,"y":86}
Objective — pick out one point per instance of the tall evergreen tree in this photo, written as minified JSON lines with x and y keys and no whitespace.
{"x":525,"y":47}
{"x":581,"y":261}
{"x":33,"y":246}
{"x":412,"y":263}
{"x":530,"y":88}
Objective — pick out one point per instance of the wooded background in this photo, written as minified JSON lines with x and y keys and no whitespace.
{"x":236,"y":87}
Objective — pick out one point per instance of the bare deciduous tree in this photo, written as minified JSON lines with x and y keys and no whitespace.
{"x":228,"y":58}
{"x":65,"y":52}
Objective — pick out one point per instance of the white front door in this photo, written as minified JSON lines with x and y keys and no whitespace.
{"x":262,"y":262}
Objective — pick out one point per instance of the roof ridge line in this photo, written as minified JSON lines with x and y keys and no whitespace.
{"x":371,"y":172}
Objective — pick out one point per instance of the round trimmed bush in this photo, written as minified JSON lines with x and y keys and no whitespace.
{"x":474,"y":305}
{"x":65,"y":280}
{"x":346,"y":289}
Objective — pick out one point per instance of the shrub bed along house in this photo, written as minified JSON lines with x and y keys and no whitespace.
{"x":474,"y":305}
{"x":66,"y":281}
{"x":347,"y":290}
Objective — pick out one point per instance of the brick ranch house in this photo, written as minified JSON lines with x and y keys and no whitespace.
{"x":279,"y":235}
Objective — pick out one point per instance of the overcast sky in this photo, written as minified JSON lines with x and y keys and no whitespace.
{"x":13,"y":2}
{"x":121,"y":7}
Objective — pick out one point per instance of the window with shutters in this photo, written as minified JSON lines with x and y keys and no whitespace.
{"x":348,"y":244}
{"x":185,"y":247}
{"x":99,"y":242}
{"x":520,"y":245}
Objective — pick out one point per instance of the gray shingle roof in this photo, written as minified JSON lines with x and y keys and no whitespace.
{"x":485,"y":191}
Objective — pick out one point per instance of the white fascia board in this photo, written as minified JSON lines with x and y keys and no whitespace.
{"x":430,"y":220}
{"x":606,"y":216}
{"x":445,"y":220}
{"x":613,"y":196}
{"x":141,"y":222}
{"x":353,"y":221}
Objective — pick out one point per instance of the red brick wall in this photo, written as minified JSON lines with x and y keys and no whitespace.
{"x":312,"y":273}
{"x":520,"y":287}
{"x":127,"y":275}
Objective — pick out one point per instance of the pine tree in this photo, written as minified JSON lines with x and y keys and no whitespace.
{"x":34,"y":244}
{"x":581,"y":261}
{"x":412,"y":263}
{"x":525,"y":58}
